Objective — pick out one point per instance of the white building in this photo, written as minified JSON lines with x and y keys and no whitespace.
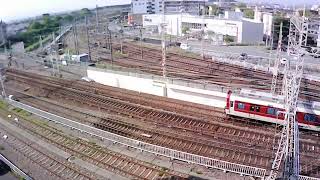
{"x":171,"y":6}
{"x":243,"y":30}
{"x":267,"y":19}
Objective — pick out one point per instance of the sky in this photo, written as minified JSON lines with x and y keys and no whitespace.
{"x":18,"y":9}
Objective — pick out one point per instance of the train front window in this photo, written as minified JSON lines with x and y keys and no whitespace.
{"x":310,"y":117}
{"x":231,"y":103}
{"x":252,"y":108}
{"x":240,"y":106}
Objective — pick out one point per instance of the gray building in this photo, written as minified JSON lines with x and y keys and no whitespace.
{"x":3,"y":32}
{"x":192,"y":7}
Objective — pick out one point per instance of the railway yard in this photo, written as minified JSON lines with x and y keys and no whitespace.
{"x":179,"y":125}
{"x":46,"y":149}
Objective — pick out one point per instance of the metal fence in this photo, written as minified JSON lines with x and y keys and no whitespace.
{"x":14,"y":168}
{"x":173,"y":154}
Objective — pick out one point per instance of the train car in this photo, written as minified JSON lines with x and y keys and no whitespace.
{"x":269,"y":108}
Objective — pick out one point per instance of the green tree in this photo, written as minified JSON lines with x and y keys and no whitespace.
{"x":248,"y":13}
{"x":68,"y":18}
{"x":228,"y":39}
{"x":308,"y":13}
{"x":84,"y":12}
{"x":35,"y":25}
{"x":214,"y":10}
{"x":185,"y":29}
{"x":242,"y":5}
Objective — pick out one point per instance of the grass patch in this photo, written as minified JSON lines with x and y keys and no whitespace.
{"x":118,"y":54}
{"x":37,"y":44}
{"x":3,"y":105}
{"x":22,"y":112}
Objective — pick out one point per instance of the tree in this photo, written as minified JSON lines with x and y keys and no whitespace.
{"x":35,"y":25}
{"x":308,"y":13}
{"x":84,"y":12}
{"x":248,"y":13}
{"x":68,"y":18}
{"x":228,"y":39}
{"x":185,"y":29}
{"x":242,"y":5}
{"x":214,"y":10}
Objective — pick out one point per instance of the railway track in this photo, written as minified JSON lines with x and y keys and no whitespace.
{"x":55,"y":167}
{"x":235,"y":135}
{"x":207,"y":70}
{"x":120,"y":164}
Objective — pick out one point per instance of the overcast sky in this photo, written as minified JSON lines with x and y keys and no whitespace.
{"x":17,"y":9}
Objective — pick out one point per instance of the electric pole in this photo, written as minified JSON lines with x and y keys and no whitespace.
{"x":163,"y":43}
{"x":141,"y":49}
{"x":2,"y":84}
{"x":75,"y":37}
{"x":88,"y":39}
{"x":40,"y":41}
{"x":288,"y":147}
{"x":97,"y":19}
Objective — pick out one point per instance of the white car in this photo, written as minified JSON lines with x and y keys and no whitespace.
{"x":185,"y":46}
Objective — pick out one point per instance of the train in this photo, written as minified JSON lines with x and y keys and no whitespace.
{"x":267,"y":107}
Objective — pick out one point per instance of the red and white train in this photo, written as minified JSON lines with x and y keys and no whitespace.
{"x":269,"y":108}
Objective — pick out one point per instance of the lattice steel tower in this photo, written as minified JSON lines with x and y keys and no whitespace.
{"x":288,"y":147}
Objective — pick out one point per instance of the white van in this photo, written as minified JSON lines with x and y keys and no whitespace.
{"x":185,"y":46}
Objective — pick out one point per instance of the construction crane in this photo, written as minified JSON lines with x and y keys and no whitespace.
{"x":288,"y":147}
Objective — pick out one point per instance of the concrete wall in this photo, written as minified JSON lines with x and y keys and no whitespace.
{"x":185,"y":91}
{"x":127,"y":82}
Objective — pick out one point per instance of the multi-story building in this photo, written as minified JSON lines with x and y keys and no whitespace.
{"x":3,"y":32}
{"x":242,"y":30}
{"x":193,"y":7}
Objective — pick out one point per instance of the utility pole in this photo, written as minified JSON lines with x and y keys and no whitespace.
{"x":163,"y":43}
{"x":202,"y":34}
{"x":97,"y":19}
{"x":277,"y":63}
{"x":2,"y":84}
{"x":141,"y":48}
{"x":88,"y":39}
{"x":40,"y":41}
{"x":121,"y":39}
{"x":109,"y":41}
{"x":75,"y":37}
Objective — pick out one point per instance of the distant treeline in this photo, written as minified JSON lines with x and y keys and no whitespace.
{"x":46,"y":26}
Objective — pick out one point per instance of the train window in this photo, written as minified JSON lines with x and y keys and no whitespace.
{"x":271,"y":111}
{"x":257,"y":108}
{"x":310,"y":117}
{"x":231,"y":103}
{"x":252,"y":108}
{"x":240,"y":106}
